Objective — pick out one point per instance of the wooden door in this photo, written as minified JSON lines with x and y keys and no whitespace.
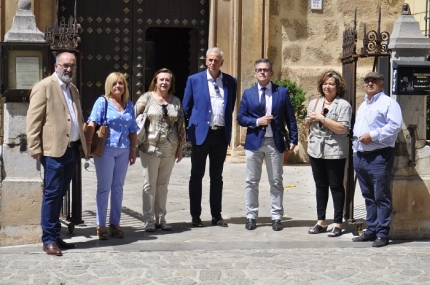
{"x":138,"y":37}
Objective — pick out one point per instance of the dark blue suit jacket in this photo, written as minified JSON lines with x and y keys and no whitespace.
{"x":282,"y":111}
{"x":197,"y":106}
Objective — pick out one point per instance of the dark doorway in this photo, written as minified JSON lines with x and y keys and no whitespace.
{"x":137,"y":37}
{"x":168,"y":48}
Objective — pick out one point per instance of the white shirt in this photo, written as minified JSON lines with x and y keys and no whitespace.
{"x":74,"y":130}
{"x":268,"y":92}
{"x":216,"y":93}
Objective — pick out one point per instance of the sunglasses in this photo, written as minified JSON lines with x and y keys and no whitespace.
{"x":324,"y":113}
{"x":164,"y":108}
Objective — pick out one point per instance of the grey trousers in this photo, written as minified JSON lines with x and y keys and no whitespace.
{"x":274,"y":167}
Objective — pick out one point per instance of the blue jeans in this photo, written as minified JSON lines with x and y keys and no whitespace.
{"x":374,"y":176}
{"x":58,"y":173}
{"x":111,"y":170}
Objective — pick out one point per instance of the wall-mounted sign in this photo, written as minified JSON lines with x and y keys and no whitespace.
{"x":27,"y":71}
{"x":411,"y":78}
{"x":316,"y":4}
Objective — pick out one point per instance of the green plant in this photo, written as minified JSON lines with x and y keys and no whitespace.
{"x":297,"y":96}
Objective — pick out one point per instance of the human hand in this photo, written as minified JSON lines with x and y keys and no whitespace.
{"x":365,"y":139}
{"x":132,"y":157}
{"x":37,"y":156}
{"x":265,"y":121}
{"x":179,"y":154}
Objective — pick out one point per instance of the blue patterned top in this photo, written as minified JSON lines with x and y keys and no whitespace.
{"x":120,"y":124}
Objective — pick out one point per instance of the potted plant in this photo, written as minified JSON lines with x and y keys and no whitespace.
{"x":297,"y":97}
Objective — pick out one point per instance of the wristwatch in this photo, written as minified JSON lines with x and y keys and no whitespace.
{"x":323,"y":120}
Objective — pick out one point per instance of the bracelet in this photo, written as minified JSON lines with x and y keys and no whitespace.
{"x":133,"y":148}
{"x":89,"y":142}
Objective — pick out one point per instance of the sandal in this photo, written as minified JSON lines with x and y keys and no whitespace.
{"x":149,"y":227}
{"x":102,"y":233}
{"x":164,"y":226}
{"x":116,"y":231}
{"x":317,"y":229}
{"x":335,"y":232}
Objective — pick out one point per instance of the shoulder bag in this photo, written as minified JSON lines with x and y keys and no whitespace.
{"x":100,"y":135}
{"x":141,"y":120}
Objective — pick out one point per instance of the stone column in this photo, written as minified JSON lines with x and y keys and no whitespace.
{"x":411,"y":183}
{"x":21,"y":186}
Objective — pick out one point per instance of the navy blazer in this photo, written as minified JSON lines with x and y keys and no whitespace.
{"x":198,"y":109}
{"x":282,"y":111}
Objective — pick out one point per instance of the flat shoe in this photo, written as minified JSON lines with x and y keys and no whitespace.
{"x":149,"y":227}
{"x":163,"y":226}
{"x":335,"y":232}
{"x":317,"y":229}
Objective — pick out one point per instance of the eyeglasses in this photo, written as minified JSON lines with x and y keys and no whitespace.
{"x":265,"y":70}
{"x":373,"y":80}
{"x":66,"y":66}
{"x":164,"y":108}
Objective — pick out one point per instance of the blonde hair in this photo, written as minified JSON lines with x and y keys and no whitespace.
{"x":111,"y":80}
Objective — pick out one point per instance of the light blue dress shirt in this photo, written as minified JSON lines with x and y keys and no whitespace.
{"x":120,"y":124}
{"x":382,"y":118}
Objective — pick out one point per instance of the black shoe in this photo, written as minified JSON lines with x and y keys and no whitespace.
{"x":365,"y":237}
{"x":276,"y":225}
{"x":251,"y":224}
{"x":64,"y":245}
{"x":197,"y":222}
{"x":380,"y":242}
{"x":219,"y":222}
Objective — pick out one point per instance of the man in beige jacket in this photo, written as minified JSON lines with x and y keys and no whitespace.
{"x":55,"y":135}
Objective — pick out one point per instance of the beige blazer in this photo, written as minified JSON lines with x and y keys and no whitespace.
{"x":48,"y":119}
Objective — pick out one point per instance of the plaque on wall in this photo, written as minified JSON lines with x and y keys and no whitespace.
{"x":411,"y":78}
{"x":27,"y":71}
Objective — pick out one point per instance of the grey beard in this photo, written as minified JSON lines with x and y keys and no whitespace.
{"x":66,"y":78}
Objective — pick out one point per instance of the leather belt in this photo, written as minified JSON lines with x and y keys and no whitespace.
{"x":215,"y":128}
{"x":73,"y":144}
{"x":376,"y":150}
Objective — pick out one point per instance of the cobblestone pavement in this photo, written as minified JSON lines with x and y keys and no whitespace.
{"x":214,"y":255}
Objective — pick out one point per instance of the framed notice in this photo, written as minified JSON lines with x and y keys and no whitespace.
{"x":27,"y":71}
{"x":22,"y":66}
{"x":316,"y":4}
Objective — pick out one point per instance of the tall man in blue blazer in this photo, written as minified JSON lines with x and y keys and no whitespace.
{"x":265,"y":110}
{"x":208,"y":103}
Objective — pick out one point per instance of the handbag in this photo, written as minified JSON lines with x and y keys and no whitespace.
{"x":141,"y":121}
{"x":100,"y":135}
{"x":309,"y":127}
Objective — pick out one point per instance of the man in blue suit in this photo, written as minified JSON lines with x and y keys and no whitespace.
{"x":208,"y":103}
{"x":265,"y":110}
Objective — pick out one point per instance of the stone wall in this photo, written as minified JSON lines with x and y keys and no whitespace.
{"x":303,"y":42}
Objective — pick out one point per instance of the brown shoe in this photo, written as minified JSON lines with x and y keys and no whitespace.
{"x":102,"y":233}
{"x":52,"y":249}
{"x":116,"y":231}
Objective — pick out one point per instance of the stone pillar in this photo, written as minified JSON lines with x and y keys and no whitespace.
{"x":411,"y":183}
{"x":21,"y":186}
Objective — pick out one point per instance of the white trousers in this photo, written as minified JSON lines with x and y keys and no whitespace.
{"x":156,"y":177}
{"x":274,"y":166}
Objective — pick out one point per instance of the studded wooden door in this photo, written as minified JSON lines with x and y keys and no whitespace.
{"x":138,"y":37}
